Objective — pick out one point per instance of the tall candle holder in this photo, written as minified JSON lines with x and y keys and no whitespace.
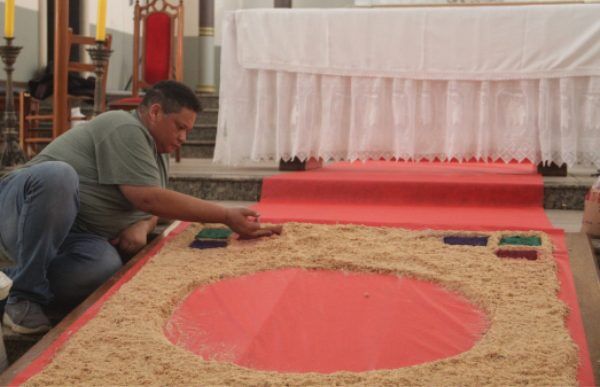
{"x":12,"y":154}
{"x":99,"y":54}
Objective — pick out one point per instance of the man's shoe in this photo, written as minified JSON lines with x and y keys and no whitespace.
{"x":25,"y":317}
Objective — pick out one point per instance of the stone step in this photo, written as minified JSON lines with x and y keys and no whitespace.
{"x":208,"y":116}
{"x":215,"y":187}
{"x":244,"y":183}
{"x":201,"y":142}
{"x":203,"y":132}
{"x":234,"y":188}
{"x":201,"y":178}
{"x":204,"y":179}
{"x":198,"y":149}
{"x":209,"y":101}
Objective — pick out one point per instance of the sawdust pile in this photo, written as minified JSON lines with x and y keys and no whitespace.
{"x":526,"y":343}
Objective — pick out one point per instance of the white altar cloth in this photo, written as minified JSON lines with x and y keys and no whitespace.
{"x":502,"y":83}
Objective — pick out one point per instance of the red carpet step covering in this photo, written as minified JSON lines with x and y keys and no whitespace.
{"x":467,"y":196}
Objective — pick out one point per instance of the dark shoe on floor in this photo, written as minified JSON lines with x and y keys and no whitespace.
{"x":25,"y":317}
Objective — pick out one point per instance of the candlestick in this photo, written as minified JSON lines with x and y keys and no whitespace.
{"x":100,"y":54}
{"x":11,"y":153}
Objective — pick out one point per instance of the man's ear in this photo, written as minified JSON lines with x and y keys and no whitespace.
{"x":154,"y":111}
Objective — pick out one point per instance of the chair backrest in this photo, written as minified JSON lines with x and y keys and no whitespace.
{"x":157,"y":43}
{"x":82,"y":41}
{"x":30,"y":116}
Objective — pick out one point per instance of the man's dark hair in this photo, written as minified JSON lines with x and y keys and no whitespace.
{"x":172,"y":96}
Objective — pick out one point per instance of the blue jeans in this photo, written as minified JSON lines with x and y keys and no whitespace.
{"x":38,"y":206}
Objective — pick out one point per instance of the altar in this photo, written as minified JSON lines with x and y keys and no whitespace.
{"x":510,"y":82}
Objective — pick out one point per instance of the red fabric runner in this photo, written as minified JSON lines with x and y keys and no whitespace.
{"x":467,"y":196}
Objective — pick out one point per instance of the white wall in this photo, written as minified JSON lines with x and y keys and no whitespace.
{"x":119,"y":23}
{"x":29,"y":4}
{"x":119,"y":15}
{"x":27,"y":36}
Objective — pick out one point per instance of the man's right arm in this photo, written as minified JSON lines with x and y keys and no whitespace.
{"x":169,"y":204}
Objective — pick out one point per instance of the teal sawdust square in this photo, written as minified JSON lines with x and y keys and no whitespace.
{"x":521,"y":240}
{"x":214,"y":233}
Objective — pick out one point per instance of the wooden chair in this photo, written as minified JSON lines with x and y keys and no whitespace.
{"x":35,"y":125}
{"x":157,"y":48}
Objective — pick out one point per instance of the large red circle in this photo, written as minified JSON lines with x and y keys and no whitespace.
{"x":298,"y":320}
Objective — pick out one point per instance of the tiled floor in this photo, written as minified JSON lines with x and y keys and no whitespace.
{"x":568,"y":220}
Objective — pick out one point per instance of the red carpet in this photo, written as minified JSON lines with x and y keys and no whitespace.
{"x":468,"y":196}
{"x":453,"y":196}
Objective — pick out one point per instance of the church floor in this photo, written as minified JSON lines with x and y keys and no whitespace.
{"x":232,"y":187}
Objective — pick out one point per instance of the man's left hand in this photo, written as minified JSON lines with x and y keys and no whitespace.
{"x":133,"y":238}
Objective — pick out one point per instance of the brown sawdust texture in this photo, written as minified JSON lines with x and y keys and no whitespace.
{"x":526,"y":342}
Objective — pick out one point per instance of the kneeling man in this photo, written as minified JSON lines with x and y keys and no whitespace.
{"x":93,"y":193}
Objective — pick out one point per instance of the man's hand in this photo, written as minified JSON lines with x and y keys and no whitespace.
{"x":237,"y":220}
{"x":175,"y":205}
{"x":133,"y":238}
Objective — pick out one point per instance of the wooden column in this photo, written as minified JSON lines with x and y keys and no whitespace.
{"x":206,"y":36}
{"x":60,"y":117}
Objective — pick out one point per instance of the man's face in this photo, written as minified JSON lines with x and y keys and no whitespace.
{"x":170,"y":130}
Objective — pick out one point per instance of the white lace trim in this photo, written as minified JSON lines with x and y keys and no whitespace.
{"x":584,"y":162}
